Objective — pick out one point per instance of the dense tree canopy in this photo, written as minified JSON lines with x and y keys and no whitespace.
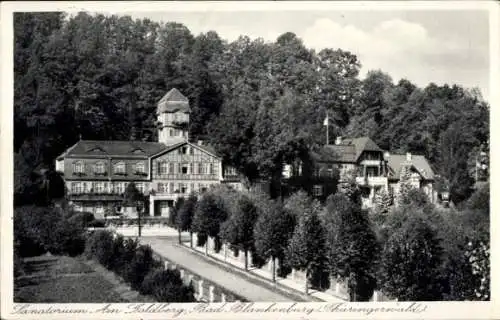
{"x":259,"y":103}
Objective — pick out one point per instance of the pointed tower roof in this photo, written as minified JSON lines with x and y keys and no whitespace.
{"x":173,"y":101}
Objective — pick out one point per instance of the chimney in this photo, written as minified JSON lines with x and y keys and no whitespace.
{"x":408,"y":156}
{"x":338,"y":140}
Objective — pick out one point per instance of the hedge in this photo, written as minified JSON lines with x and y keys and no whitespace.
{"x":137,"y":266}
{"x":167,"y":286}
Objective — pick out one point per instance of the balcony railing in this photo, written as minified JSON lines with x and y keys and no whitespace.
{"x":372,"y":162}
{"x":372,"y":181}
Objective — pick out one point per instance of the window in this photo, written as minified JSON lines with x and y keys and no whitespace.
{"x":119,"y":187}
{"x":162,"y":168}
{"x":161,"y":187}
{"x":99,"y":168}
{"x":191,"y":150}
{"x":171,"y":168}
{"x":184,"y":168}
{"x":183,"y":188}
{"x":99,"y":187}
{"x":140,"y":167}
{"x":230,"y":171}
{"x":201,"y":168}
{"x":316,"y":172}
{"x":171,"y":188}
{"x":183,"y":150}
{"x":317,"y":190}
{"x":171,"y":132}
{"x":192,"y":187}
{"x":78,"y":167}
{"x":76,"y":188}
{"x":372,"y":171}
{"x":191,"y":168}
{"x":210,"y":168}
{"x":330,"y":171}
{"x":140,"y":187}
{"x":119,"y":168}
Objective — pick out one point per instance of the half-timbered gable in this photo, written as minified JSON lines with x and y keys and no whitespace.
{"x":184,"y":168}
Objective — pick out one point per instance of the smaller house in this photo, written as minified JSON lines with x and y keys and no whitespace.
{"x":421,"y":174}
{"x":375,"y":170}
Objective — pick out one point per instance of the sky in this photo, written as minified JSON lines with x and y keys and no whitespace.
{"x":440,"y":46}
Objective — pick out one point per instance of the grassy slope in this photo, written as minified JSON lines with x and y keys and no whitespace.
{"x":62,"y":280}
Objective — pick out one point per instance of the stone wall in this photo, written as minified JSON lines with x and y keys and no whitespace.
{"x":205,"y":290}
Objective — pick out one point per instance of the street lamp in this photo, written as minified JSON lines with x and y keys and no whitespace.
{"x":139,"y":207}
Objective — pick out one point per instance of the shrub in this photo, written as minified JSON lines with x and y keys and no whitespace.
{"x":167,"y":286}
{"x":41,"y":229}
{"x":99,"y":246}
{"x":118,"y":253}
{"x":140,"y":265}
{"x":82,"y":218}
{"x":69,"y":239}
{"x":123,"y":258}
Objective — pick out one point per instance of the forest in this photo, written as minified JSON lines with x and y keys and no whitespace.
{"x":91,"y":76}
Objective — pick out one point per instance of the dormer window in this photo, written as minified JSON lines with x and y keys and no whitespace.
{"x":99,"y":168}
{"x":79,"y":167}
{"x":119,"y":168}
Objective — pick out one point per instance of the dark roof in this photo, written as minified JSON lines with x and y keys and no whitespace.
{"x":419,"y":162}
{"x":362,"y":144}
{"x":335,"y":153}
{"x":349,"y":150}
{"x":114,"y":148}
{"x":173,"y":101}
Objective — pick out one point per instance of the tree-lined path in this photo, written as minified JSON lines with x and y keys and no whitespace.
{"x":166,"y":247}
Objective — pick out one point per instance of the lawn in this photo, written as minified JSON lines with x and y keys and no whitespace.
{"x":62,"y":280}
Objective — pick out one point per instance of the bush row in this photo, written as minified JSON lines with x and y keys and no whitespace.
{"x":136,"y":265}
{"x":38,"y":230}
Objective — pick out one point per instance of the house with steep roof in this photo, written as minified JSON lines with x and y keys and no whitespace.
{"x":97,"y":173}
{"x":373,"y":169}
{"x":420,"y":173}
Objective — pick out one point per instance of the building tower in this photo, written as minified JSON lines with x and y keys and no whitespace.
{"x":173,"y":118}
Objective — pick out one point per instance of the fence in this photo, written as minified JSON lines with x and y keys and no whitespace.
{"x":205,"y":290}
{"x":295,"y":280}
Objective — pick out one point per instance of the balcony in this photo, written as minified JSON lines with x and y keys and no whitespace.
{"x":372,"y":162}
{"x":95,"y":196}
{"x":372,"y":181}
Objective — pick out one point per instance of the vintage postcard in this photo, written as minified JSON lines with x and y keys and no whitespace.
{"x":298,"y":160}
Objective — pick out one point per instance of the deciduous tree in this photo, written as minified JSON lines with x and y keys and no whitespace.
{"x":411,"y":260}
{"x":352,"y":247}
{"x":271,"y":232}
{"x":238,"y":229}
